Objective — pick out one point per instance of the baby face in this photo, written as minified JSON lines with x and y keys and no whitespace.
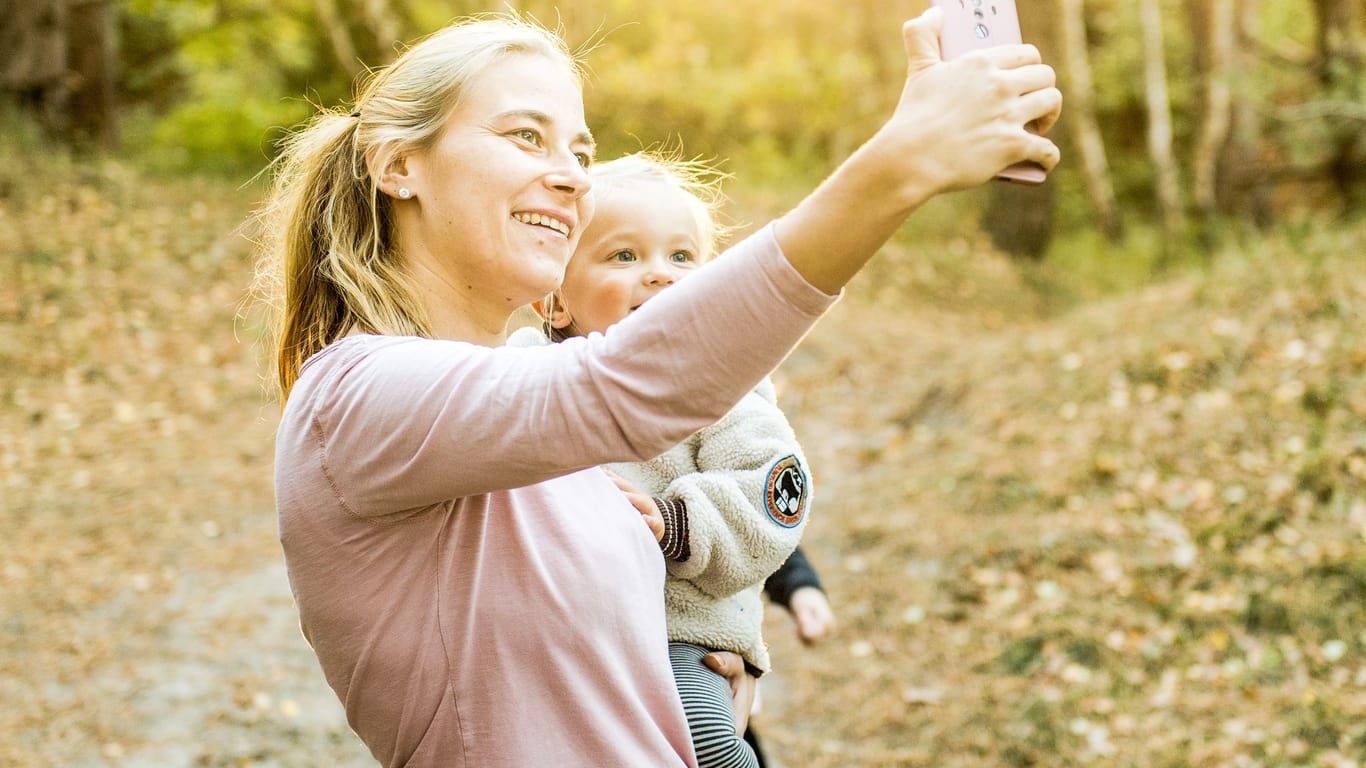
{"x":643,"y":238}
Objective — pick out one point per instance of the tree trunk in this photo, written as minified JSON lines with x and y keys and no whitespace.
{"x":383,"y":23}
{"x":33,"y":66}
{"x":1019,"y":218}
{"x":1082,"y":118}
{"x":1214,"y":129}
{"x":339,"y":36}
{"x":1335,"y":40}
{"x":90,"y":48}
{"x":1241,"y":176}
{"x":1340,"y":60}
{"x":1160,"y":127}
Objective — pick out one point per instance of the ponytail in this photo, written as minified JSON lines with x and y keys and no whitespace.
{"x":328,"y":260}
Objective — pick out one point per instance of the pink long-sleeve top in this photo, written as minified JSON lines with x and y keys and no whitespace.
{"x":477,"y":591}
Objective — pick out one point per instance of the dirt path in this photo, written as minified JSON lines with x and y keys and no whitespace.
{"x":226,"y":679}
{"x":256,"y":698}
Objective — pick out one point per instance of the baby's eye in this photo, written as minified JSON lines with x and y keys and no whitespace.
{"x":584,"y":158}
{"x":623,"y":257}
{"x":681,"y":257}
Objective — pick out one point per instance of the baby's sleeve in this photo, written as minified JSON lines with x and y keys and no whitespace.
{"x":747,"y":504}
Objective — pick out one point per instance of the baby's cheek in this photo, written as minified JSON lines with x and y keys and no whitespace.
{"x":617,"y":300}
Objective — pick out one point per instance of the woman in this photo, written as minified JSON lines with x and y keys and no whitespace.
{"x":477,"y":592}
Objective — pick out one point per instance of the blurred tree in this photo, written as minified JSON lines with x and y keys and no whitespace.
{"x":60,"y":64}
{"x":1242,"y":176}
{"x":362,"y":33}
{"x":91,"y":63}
{"x":1341,"y":65}
{"x":1082,"y":118}
{"x":1216,"y":28}
{"x":343,"y":50}
{"x":778,"y":91}
{"x":384,"y":26}
{"x":1019,"y":218}
{"x":34,"y":67}
{"x":1160,"y":127}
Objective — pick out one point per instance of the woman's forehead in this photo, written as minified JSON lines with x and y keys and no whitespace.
{"x":528,"y":77}
{"x":525,"y":87}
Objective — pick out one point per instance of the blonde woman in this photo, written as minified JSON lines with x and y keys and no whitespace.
{"x":477,"y":591}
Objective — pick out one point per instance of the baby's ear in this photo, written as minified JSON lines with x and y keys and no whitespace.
{"x":552,"y":310}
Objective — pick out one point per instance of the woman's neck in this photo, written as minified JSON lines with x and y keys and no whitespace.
{"x":454,"y":314}
{"x":451,"y":319}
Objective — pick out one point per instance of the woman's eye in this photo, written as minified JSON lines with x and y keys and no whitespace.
{"x":624,"y":257}
{"x":584,"y":159}
{"x":528,"y":135}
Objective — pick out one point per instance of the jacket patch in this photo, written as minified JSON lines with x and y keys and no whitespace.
{"x":785,"y":492}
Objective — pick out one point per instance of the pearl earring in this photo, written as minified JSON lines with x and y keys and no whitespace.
{"x":403,"y":193}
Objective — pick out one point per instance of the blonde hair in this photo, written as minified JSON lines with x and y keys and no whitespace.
{"x":328,"y":262}
{"x":699,"y":181}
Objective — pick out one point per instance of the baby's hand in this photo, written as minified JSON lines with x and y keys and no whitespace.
{"x":811,"y":610}
{"x":649,"y":511}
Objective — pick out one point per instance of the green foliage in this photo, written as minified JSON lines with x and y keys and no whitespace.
{"x":779,"y":92}
{"x":1081,"y":265}
{"x":769,"y":90}
{"x":244,"y":76}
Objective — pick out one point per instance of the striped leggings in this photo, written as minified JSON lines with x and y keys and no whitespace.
{"x":706,"y":701}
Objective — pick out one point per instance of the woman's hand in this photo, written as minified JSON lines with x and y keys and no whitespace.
{"x":965,"y":120}
{"x":957,"y":124}
{"x":811,"y":610}
{"x":742,"y":684}
{"x":649,"y":511}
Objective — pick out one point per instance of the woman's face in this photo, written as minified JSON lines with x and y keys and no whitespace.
{"x":501,"y":197}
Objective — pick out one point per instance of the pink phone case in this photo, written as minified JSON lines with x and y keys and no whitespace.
{"x":973,"y":24}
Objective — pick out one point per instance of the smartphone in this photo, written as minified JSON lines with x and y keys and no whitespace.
{"x":973,"y":24}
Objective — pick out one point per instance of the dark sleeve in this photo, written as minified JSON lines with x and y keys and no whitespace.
{"x":675,"y":542}
{"x":794,"y":574}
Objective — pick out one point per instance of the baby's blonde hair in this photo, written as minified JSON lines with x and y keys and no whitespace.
{"x":328,"y":262}
{"x":699,"y":180}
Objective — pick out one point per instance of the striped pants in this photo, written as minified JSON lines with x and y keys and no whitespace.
{"x":706,"y":701}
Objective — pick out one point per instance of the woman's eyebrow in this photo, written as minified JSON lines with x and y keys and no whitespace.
{"x":545,"y":121}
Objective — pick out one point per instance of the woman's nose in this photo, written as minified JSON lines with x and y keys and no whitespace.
{"x":569,"y":177}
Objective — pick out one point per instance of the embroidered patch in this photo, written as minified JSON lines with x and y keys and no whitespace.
{"x":785,"y":494}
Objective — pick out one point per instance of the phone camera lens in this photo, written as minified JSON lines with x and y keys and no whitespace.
{"x":981,"y":31}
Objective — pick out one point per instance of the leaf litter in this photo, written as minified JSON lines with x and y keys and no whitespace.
{"x":1133,"y":532}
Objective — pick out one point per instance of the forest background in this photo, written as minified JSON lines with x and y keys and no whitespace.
{"x":1108,"y":508}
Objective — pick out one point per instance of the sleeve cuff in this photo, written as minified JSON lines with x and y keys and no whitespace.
{"x":675,"y":542}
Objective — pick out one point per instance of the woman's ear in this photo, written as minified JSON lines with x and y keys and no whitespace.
{"x":552,"y":310}
{"x":393,"y":172}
